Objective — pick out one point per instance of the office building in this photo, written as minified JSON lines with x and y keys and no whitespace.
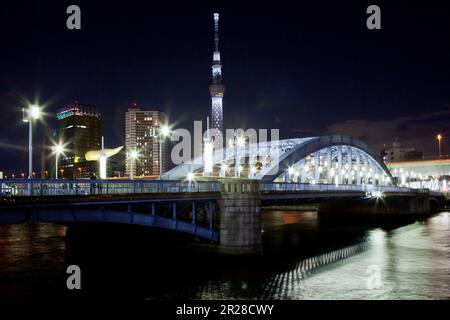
{"x":80,"y":130}
{"x":142,"y":127}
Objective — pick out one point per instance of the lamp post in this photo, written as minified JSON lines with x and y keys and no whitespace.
{"x":439,"y":138}
{"x":57,"y":150}
{"x":240,"y":142}
{"x":291,"y":173}
{"x":32,"y":113}
{"x":132,"y":155}
{"x":163,"y":133}
{"x":102,"y":161}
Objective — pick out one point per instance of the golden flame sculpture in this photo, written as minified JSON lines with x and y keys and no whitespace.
{"x":94,"y":155}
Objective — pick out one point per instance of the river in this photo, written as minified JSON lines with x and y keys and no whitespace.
{"x":305,"y":257}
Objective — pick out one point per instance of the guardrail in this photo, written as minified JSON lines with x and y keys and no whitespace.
{"x":48,"y":187}
{"x":282,"y":186}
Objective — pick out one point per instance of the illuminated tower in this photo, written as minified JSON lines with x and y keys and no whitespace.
{"x":216,"y":89}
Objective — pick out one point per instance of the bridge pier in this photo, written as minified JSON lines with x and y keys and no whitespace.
{"x":240,"y":231}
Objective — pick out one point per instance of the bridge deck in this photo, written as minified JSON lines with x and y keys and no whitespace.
{"x":103,"y":199}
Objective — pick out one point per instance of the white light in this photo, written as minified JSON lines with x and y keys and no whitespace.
{"x":35,"y":111}
{"x":378,"y":194}
{"x":240,"y":141}
{"x":190,"y":176}
{"x":102,"y":167}
{"x":291,"y":171}
{"x":134,"y":154}
{"x":165,"y":131}
{"x":208,"y":158}
{"x":58,"y":148}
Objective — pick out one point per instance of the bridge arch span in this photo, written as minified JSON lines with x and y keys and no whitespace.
{"x":330,"y":159}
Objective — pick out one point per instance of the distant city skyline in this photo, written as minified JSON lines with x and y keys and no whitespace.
{"x":309,"y":71}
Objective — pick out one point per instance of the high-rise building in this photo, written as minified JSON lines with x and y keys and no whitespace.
{"x":142,"y":128}
{"x":80,"y":130}
{"x":396,"y":152}
{"x":216,"y":89}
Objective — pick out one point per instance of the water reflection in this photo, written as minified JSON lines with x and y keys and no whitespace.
{"x":281,"y":285}
{"x":306,"y":257}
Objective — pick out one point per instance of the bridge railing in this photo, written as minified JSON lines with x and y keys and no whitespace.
{"x":39,"y":187}
{"x":282,"y":186}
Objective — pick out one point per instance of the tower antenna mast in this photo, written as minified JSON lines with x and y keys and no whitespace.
{"x":216,"y":31}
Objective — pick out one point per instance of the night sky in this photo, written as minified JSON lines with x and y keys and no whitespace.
{"x":305,"y":67}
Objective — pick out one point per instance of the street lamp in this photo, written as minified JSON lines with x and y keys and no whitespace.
{"x":57,"y":150}
{"x":439,"y":138}
{"x":32,"y":113}
{"x":223,"y":170}
{"x":132,"y":155}
{"x":291,"y":173}
{"x":164,"y":132}
{"x":190,"y":176}
{"x":240,"y":142}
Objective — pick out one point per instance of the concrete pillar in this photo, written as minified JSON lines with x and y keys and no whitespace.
{"x":366,"y":168}
{"x":236,"y":158}
{"x":350,"y":165}
{"x":374,"y":172}
{"x":339,"y":169}
{"x":358,"y":167}
{"x":302,"y":171}
{"x":329,"y":166}
{"x":345,"y":164}
{"x":240,"y":217}
{"x":317,"y":166}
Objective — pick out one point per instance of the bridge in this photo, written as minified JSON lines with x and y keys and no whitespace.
{"x":225,"y":211}
{"x":334,"y":159}
{"x":339,"y":172}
